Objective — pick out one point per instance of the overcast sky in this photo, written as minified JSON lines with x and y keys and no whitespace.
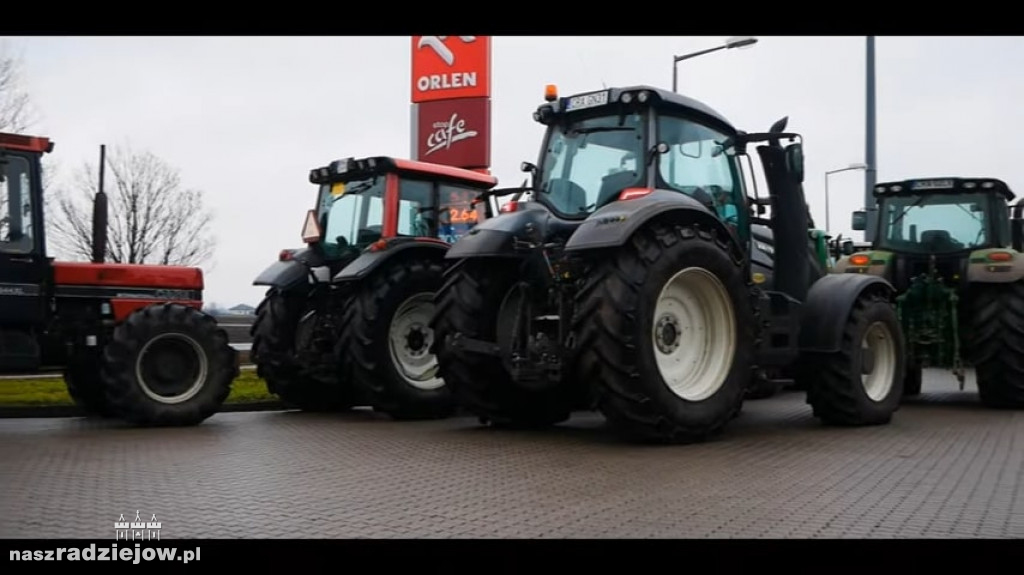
{"x":245,"y":118}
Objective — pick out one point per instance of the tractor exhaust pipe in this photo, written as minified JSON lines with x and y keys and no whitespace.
{"x":99,"y":215}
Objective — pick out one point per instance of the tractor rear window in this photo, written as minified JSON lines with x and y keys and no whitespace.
{"x":937,"y":223}
{"x":15,"y":206}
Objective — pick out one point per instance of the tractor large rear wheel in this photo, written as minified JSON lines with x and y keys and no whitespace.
{"x":862,"y":383}
{"x":385,"y":342}
{"x":282,"y":318}
{"x":168,"y":365}
{"x":666,"y":333}
{"x":995,"y":343}
{"x":469,"y":304}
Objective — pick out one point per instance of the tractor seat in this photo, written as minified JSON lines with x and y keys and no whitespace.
{"x":613,"y":184}
{"x":938,"y":240}
{"x":567,"y":195}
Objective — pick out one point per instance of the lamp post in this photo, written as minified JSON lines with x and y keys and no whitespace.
{"x":735,"y":42}
{"x":828,"y":227}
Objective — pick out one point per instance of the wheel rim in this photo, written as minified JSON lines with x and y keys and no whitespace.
{"x":878,"y":372}
{"x":171,"y":368}
{"x":694,"y":334}
{"x":409,"y":341}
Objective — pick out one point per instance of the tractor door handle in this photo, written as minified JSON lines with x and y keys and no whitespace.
{"x":23,"y":260}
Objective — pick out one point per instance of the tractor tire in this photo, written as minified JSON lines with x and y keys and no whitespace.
{"x":385,"y":342}
{"x":838,"y":389}
{"x":665,"y":330}
{"x":469,"y":303}
{"x":86,"y":387}
{"x":995,"y":343}
{"x":274,"y":334}
{"x":168,"y":365}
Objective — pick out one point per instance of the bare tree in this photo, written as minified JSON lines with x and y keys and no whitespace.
{"x":16,"y":113}
{"x":153,"y":219}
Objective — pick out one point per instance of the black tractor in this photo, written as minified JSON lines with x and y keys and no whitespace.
{"x":625,"y":284}
{"x":344,"y":320}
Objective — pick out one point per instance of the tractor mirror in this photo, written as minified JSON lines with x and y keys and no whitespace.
{"x":860,"y":221}
{"x":527,"y":167}
{"x":847,"y":248}
{"x":795,"y":161}
{"x":1017,"y":233}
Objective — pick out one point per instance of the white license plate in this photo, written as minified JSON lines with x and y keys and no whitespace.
{"x":587,"y":100}
{"x":932,"y":184}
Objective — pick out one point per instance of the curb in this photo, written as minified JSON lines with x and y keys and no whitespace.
{"x":28,"y":411}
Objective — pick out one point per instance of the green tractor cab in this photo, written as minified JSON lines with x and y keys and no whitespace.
{"x":952,"y":248}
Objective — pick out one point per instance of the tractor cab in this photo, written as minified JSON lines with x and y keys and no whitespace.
{"x":24,"y":268}
{"x":363,"y":202}
{"x":936,"y":223}
{"x":620,"y":144}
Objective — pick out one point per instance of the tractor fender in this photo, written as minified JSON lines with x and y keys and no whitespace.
{"x":301,"y":267}
{"x":981,"y":269}
{"x":829,"y":301}
{"x":612,"y":225}
{"x":495,"y":237}
{"x":375,"y":257}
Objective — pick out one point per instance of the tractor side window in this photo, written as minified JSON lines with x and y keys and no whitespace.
{"x":15,"y":207}
{"x":351,"y":215}
{"x":417,"y":214}
{"x":457,"y":214}
{"x":696,"y":165}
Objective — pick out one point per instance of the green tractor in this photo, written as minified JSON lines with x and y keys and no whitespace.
{"x":626,"y":284}
{"x":954,"y":253}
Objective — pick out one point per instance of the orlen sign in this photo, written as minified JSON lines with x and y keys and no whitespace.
{"x":446,"y":67}
{"x":454,"y":132}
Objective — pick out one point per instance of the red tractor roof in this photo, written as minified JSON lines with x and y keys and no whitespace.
{"x":25,"y":143}
{"x":127,"y":275}
{"x":352,"y":168}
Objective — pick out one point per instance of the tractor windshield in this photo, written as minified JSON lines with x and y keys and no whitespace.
{"x":351,"y":215}
{"x":935,"y":223}
{"x":15,"y":205}
{"x":587,"y":162}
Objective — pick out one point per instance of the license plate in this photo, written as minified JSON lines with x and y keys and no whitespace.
{"x":587,"y":101}
{"x":932,"y":185}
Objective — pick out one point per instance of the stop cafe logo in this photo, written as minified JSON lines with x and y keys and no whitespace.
{"x":453,"y":132}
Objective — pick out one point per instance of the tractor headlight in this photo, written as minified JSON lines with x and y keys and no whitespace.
{"x":642,"y":97}
{"x":626,"y":98}
{"x":970,"y":185}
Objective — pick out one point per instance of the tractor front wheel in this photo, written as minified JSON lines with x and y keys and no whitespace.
{"x":168,"y":365}
{"x":386,"y":339}
{"x":85,"y":385}
{"x":666,"y":334}
{"x":862,"y":383}
{"x":995,"y":343}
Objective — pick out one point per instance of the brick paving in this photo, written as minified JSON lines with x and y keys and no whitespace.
{"x":945,"y":468}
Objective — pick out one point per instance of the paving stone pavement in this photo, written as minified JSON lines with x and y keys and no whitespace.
{"x":945,"y":468}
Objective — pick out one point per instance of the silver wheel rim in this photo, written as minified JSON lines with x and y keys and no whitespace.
{"x":202,"y":369}
{"x":694,"y":334}
{"x":879,"y":342}
{"x":409,"y":341}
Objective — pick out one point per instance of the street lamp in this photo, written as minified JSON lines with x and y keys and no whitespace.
{"x":735,"y":42}
{"x":829,"y":173}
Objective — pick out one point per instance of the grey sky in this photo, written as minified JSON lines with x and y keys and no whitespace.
{"x":245,"y":118}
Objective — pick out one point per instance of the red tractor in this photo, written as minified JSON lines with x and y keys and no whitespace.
{"x":344,"y":321}
{"x":131,"y":340}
